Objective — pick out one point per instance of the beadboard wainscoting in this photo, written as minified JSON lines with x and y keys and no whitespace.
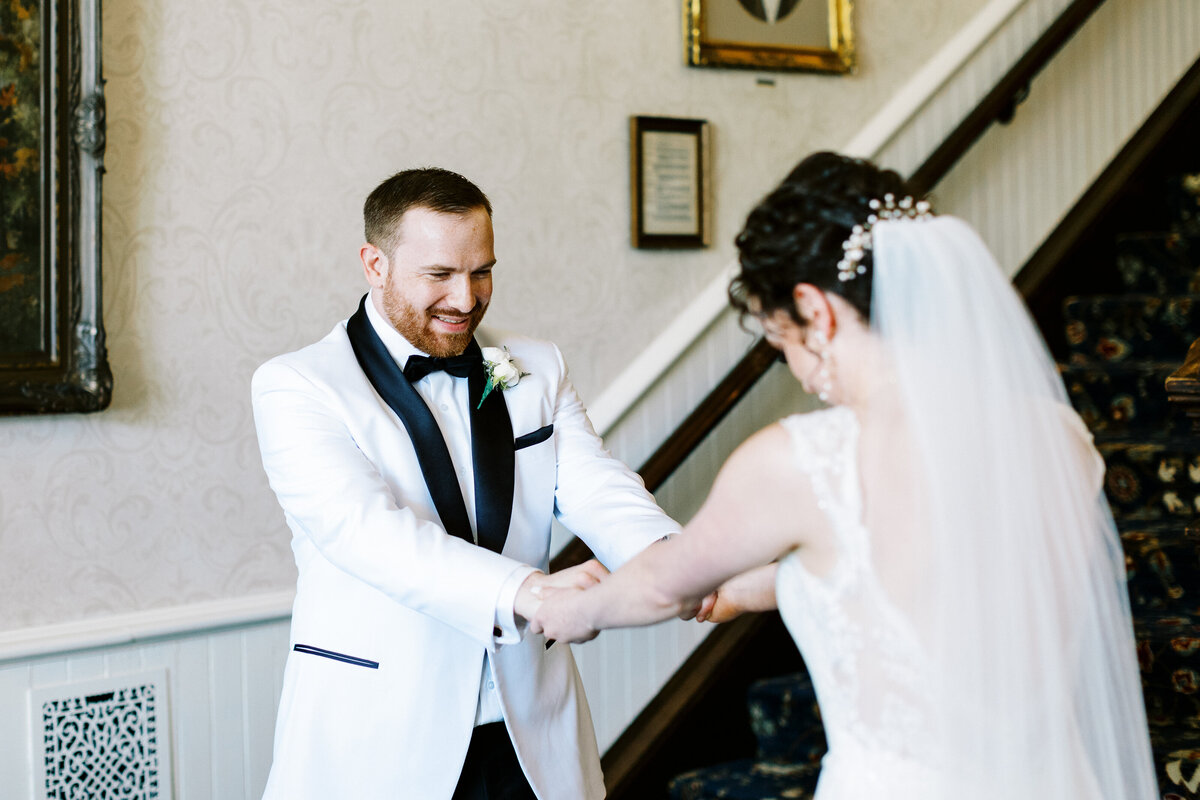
{"x":222,"y":693}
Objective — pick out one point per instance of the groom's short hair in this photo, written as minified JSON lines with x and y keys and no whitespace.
{"x":433,"y":188}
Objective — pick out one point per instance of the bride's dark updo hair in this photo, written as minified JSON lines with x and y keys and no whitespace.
{"x":795,"y":234}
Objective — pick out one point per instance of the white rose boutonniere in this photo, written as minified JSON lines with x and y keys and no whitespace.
{"x":502,"y":371}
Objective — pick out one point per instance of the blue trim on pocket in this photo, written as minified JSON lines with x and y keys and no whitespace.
{"x":318,"y":651}
{"x":537,"y":437}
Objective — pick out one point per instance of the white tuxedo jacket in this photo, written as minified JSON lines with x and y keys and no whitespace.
{"x":393,"y":616}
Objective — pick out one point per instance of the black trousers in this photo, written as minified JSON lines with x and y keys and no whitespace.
{"x":491,"y":771}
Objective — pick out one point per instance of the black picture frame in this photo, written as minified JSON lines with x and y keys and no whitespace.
{"x":52,"y":136}
{"x":670,"y":182}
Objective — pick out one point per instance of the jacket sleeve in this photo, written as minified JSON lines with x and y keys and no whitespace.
{"x":334,"y":496}
{"x":598,"y":497}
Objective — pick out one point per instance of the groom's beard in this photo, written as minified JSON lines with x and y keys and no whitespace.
{"x":416,"y":324}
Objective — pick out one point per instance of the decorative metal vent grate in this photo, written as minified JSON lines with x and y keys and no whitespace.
{"x":105,"y":740}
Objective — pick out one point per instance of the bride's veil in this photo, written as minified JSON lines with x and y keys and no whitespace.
{"x":1026,"y":618}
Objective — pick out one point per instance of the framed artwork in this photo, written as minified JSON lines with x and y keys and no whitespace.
{"x":769,"y":34}
{"x":52,"y":353}
{"x":669,"y":178}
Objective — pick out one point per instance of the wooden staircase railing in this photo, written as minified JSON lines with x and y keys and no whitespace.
{"x":638,"y":744}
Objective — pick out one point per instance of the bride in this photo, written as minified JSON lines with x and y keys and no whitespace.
{"x":936,"y":540}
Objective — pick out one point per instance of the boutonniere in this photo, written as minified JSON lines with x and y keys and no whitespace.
{"x":502,"y":371}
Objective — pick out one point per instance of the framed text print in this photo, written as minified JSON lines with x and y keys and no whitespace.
{"x":670,"y":182}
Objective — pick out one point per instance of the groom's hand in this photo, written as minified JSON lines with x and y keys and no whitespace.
{"x":580,"y":576}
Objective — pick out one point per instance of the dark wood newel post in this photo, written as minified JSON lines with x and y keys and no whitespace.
{"x":1183,"y":386}
{"x":1183,"y":391}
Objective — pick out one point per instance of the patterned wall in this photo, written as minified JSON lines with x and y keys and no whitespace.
{"x":243,"y":135}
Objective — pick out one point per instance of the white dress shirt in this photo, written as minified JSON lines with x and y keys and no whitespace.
{"x":448,"y":400}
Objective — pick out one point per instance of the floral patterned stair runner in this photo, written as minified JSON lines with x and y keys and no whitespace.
{"x":1122,"y":347}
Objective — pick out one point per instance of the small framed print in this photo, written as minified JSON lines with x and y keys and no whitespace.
{"x":811,"y":35}
{"x":669,"y":161}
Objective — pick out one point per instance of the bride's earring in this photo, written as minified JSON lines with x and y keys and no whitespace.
{"x":824,"y":381}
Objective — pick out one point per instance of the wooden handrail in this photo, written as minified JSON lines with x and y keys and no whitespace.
{"x":998,"y":105}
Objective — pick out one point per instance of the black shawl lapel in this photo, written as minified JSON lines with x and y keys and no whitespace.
{"x":432,"y":455}
{"x":495,"y":459}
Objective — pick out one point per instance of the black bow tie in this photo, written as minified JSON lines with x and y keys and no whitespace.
{"x":418,"y":367}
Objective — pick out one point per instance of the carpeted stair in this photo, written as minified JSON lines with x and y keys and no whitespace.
{"x":1121,"y":349}
{"x":787,"y":726}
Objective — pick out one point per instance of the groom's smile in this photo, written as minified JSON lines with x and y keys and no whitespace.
{"x":436,"y":285}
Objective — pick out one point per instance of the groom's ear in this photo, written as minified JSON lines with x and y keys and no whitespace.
{"x":375,"y":265}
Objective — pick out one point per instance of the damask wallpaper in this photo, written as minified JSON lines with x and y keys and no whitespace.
{"x":243,"y":137}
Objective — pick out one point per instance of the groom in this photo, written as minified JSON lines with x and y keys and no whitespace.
{"x":419,"y":482}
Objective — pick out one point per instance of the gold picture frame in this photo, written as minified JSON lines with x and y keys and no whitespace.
{"x":806,"y":35}
{"x":670,"y":177}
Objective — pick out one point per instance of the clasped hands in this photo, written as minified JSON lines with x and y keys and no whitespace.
{"x":555,"y":605}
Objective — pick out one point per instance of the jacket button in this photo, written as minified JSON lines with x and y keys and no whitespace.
{"x":496,"y":632}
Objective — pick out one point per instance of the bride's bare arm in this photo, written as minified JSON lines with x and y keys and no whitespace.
{"x":757,"y":510}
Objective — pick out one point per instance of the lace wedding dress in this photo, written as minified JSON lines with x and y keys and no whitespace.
{"x":863,"y":655}
{"x":873,"y":674}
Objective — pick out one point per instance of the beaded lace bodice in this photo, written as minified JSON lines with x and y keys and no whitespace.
{"x":863,"y":654}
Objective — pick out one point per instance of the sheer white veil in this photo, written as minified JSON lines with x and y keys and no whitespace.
{"x":1028,"y":624}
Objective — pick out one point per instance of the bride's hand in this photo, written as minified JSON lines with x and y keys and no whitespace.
{"x":719,"y":607}
{"x":560,"y":617}
{"x":703,"y":610}
{"x":751,"y":591}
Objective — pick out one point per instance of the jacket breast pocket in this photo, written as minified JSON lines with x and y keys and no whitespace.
{"x":536,"y":437}
{"x":335,"y":656}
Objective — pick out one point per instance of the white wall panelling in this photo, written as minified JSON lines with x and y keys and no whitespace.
{"x":223,"y":690}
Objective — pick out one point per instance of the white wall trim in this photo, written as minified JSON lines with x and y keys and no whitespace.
{"x":647,"y":368}
{"x":138,"y":626}
{"x":620,"y":397}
